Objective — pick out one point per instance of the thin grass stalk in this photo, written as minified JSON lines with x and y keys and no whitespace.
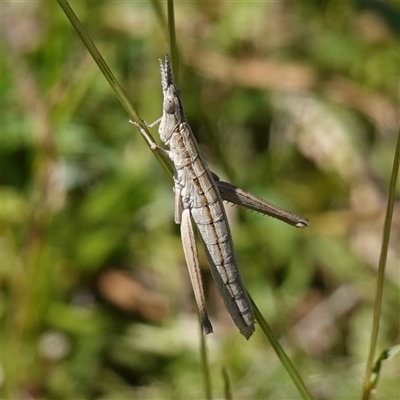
{"x":368,"y":382}
{"x":111,"y":79}
{"x":291,"y":370}
{"x":172,"y":42}
{"x":205,"y":366}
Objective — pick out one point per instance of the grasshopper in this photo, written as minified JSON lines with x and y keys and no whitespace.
{"x":199,"y":195}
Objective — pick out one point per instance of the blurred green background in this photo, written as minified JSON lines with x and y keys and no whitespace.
{"x":297,"y":102}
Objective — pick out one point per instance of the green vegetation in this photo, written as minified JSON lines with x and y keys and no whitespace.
{"x":297,"y":102}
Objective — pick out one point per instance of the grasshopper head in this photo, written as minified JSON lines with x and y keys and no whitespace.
{"x":173,"y":113}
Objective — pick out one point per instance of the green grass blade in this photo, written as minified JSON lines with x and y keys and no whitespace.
{"x":205,"y":365}
{"x":110,"y":77}
{"x":291,"y":370}
{"x":369,"y":381}
{"x":385,"y":355}
{"x":172,"y":42}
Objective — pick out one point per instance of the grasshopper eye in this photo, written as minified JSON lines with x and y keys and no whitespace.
{"x":169,"y":105}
